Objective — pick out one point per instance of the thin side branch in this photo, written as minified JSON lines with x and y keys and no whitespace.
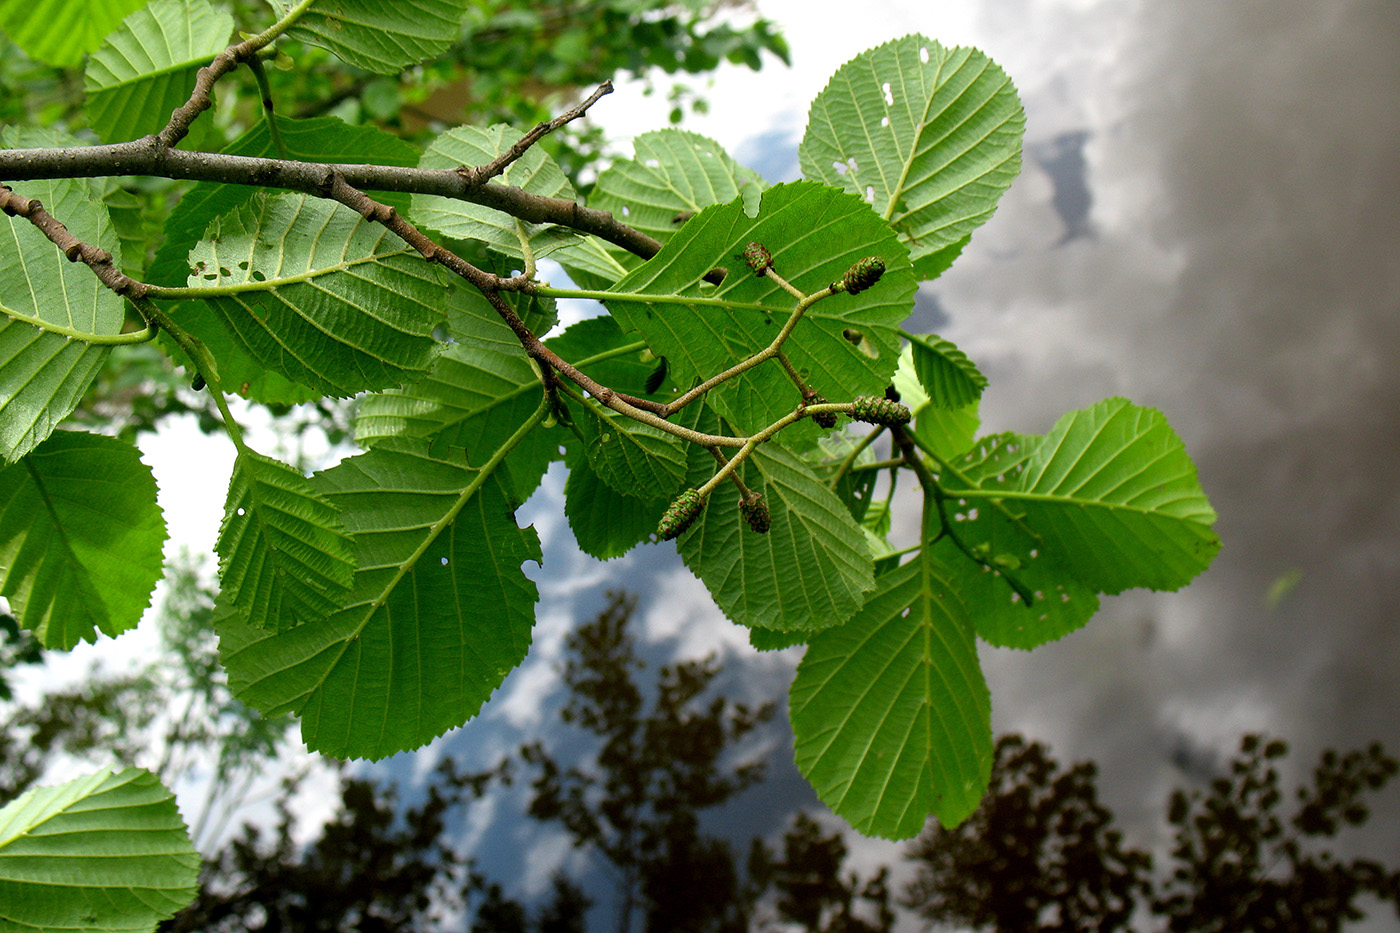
{"x":481,"y":174}
{"x":94,"y":257}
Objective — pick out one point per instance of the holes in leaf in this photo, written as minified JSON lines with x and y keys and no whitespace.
{"x":1035,"y":552}
{"x":210,"y":277}
{"x":258,"y":276}
{"x":444,"y":561}
{"x":923,"y":55}
{"x":626,"y":211}
{"x":884,"y":121}
{"x":841,"y":167}
{"x":223,"y":271}
{"x":889,"y":96}
{"x":905,"y":613}
{"x":239,"y":511}
{"x":972,"y":515}
{"x":652,"y":163}
{"x":870,"y":194}
{"x":243,"y":265}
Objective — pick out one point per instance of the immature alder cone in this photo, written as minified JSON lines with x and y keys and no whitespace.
{"x":680,"y":514}
{"x":755,"y":512}
{"x":825,"y":419}
{"x":879,"y":411}
{"x":758,"y":257}
{"x":863,"y":274}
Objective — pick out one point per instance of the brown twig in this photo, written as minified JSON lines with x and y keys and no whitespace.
{"x":96,"y":258}
{"x":479,"y":175}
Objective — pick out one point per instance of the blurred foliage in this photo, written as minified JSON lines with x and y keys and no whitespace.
{"x":515,"y":62}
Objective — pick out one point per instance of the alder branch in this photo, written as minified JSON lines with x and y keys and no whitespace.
{"x":94,"y":257}
{"x":481,"y":174}
{"x":148,"y":157}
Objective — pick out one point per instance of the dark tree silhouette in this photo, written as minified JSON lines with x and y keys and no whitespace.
{"x":1241,"y":864}
{"x":1039,"y":854}
{"x":661,"y":764}
{"x":810,"y":888}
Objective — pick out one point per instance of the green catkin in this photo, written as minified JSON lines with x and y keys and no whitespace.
{"x":755,"y":512}
{"x":825,"y":419}
{"x":874,"y":410}
{"x":865,"y":273}
{"x":758,"y":257}
{"x":680,"y":514}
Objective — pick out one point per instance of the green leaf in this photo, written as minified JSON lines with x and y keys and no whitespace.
{"x":104,"y":852}
{"x":673,"y":175}
{"x":890,"y":713}
{"x":930,"y":135}
{"x":80,"y":538}
{"x":440,"y":611}
{"x":947,"y":432}
{"x":810,"y":571}
{"x":321,"y":139}
{"x":43,"y":375}
{"x":61,"y":32}
{"x":1115,"y":498}
{"x":1008,"y":545}
{"x":482,"y":387}
{"x":855,"y":488}
{"x":814,"y":234}
{"x":147,"y":67}
{"x":315,"y":292}
{"x":947,"y":375}
{"x":534,"y":172}
{"x":284,"y":555}
{"x":634,"y":459}
{"x":384,"y":38}
{"x":606,"y":523}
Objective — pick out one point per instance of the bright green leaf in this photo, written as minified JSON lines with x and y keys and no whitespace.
{"x":810,"y":571}
{"x":606,"y":523}
{"x":814,"y":234}
{"x":947,"y":375}
{"x":1115,"y":499}
{"x":43,"y":375}
{"x":1009,"y":547}
{"x":284,"y":555}
{"x":672,"y":176}
{"x":146,"y":68}
{"x":634,"y":459}
{"x":440,"y":611}
{"x":104,"y":852}
{"x":931,"y":136}
{"x":482,"y":387}
{"x":946,"y":431}
{"x":321,"y":139}
{"x":890,"y":713}
{"x":80,"y":538}
{"x":380,"y":37}
{"x":534,"y":172}
{"x":315,"y":292}
{"x":601,"y":350}
{"x":61,"y":32}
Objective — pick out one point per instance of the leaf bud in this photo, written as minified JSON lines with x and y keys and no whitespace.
{"x":874,"y":410}
{"x":680,"y":514}
{"x":758,"y":257}
{"x":755,"y":512}
{"x":865,"y":273}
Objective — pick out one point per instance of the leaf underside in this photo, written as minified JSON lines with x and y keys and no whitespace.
{"x":380,"y":37}
{"x":890,"y":712}
{"x":439,"y":613}
{"x":107,"y":852}
{"x":80,"y":538}
{"x":315,"y":292}
{"x":931,"y":136}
